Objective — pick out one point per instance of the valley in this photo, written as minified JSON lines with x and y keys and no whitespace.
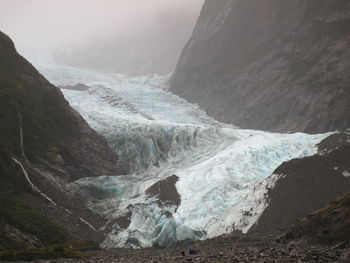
{"x":114,"y":147}
{"x":224,"y":172}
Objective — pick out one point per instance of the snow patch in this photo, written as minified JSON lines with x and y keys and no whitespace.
{"x":346,"y":173}
{"x":87,"y":223}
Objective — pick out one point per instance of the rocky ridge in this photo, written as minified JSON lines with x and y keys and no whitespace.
{"x":329,"y":225}
{"x":270,"y":65}
{"x":44,"y":145}
{"x":308,"y":184}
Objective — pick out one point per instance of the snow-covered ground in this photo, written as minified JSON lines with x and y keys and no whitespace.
{"x":224,"y":172}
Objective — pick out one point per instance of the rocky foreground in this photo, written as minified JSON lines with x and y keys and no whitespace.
{"x":223,"y":249}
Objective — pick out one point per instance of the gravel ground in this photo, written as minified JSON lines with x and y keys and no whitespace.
{"x":220,"y":250}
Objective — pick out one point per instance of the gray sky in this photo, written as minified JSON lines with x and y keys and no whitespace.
{"x":52,"y":23}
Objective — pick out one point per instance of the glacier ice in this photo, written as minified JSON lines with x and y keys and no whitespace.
{"x":224,"y":172}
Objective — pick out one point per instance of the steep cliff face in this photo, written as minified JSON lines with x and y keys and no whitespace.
{"x":270,"y":64}
{"x":51,"y":130}
{"x":44,"y":144}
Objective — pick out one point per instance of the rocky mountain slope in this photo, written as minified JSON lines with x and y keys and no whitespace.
{"x":308,"y":184}
{"x":44,"y":145}
{"x":329,"y":225}
{"x":270,"y":65}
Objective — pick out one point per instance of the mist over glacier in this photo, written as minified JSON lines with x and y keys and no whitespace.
{"x":132,"y":37}
{"x":224,"y":172}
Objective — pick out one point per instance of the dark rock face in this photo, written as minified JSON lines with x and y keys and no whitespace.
{"x":166,"y":190}
{"x":41,"y":135}
{"x":52,"y":130}
{"x":308,"y":184}
{"x":328,"y":225}
{"x":334,"y":141}
{"x":269,"y":64}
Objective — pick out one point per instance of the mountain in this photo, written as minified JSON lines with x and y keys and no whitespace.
{"x":308,"y":184}
{"x":279,"y":66}
{"x":269,"y":64}
{"x":44,"y":145}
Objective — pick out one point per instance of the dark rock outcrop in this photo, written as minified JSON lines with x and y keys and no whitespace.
{"x":308,"y":184}
{"x":165,"y":190}
{"x":270,"y":64}
{"x":329,"y":225}
{"x":79,"y":86}
{"x":52,"y":130}
{"x":44,"y":144}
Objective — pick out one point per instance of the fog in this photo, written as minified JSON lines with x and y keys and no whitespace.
{"x":131,"y":36}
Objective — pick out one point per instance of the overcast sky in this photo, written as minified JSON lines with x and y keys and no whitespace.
{"x":35,"y":23}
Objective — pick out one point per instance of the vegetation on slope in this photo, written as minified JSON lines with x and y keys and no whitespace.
{"x":330,"y":225}
{"x":55,"y":138}
{"x":27,"y":99}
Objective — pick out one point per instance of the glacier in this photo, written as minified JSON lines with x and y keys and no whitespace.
{"x":224,"y":172}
